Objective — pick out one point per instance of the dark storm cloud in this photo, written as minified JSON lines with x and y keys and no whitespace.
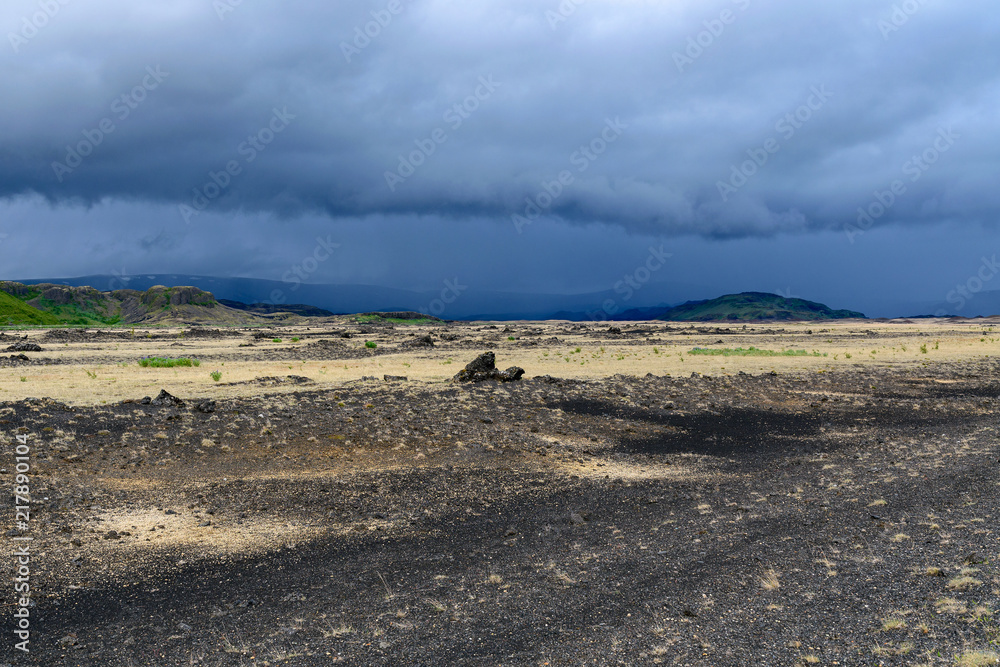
{"x":499,"y":108}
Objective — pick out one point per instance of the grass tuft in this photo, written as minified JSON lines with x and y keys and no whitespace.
{"x":769,"y":582}
{"x":977,"y":659}
{"x":963,"y":583}
{"x":167,"y":362}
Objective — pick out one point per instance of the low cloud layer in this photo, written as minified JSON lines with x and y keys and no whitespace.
{"x":720,"y":119}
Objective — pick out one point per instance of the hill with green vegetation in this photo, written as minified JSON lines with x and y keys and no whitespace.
{"x":14,"y":312}
{"x":755,"y":306}
{"x":54,"y":305}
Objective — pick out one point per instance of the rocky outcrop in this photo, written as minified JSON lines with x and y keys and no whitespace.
{"x":484,"y":368}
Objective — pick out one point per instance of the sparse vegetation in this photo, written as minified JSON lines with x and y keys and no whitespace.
{"x":769,"y":581}
{"x":370,"y":344}
{"x":963,"y":583}
{"x":216,"y":375}
{"x":891,"y":624}
{"x":977,"y":659}
{"x":750,"y":352}
{"x":168,"y":362}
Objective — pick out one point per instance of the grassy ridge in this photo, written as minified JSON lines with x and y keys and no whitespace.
{"x":755,"y":306}
{"x":14,"y":312}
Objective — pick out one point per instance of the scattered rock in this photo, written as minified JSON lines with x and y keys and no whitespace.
{"x":419,"y":341}
{"x":24,"y":346}
{"x":206,"y":406}
{"x":394,"y":378}
{"x":484,"y":367}
{"x":112,"y":535}
{"x":164,"y":398}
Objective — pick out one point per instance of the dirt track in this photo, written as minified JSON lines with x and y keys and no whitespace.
{"x":840,"y":517}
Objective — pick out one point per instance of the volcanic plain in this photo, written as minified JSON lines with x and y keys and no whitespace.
{"x":813,"y":493}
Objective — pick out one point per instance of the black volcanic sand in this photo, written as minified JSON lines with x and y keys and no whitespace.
{"x":838,"y":518}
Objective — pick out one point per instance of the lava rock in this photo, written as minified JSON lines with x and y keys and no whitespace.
{"x":419,"y":341}
{"x":165,"y":398}
{"x":484,"y":363}
{"x":512,"y":374}
{"x":24,"y":346}
{"x":484,"y":367}
{"x":206,"y":406}
{"x":394,"y":378}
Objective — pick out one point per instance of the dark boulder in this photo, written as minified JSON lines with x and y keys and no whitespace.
{"x":24,"y":346}
{"x":484,"y":367}
{"x":420,"y":341}
{"x":512,"y":374}
{"x":166,"y":399}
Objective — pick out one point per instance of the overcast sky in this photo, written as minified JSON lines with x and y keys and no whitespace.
{"x":530,"y":146}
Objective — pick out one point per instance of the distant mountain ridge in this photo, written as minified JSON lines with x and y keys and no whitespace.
{"x":272,"y":298}
{"x":302,"y":309}
{"x":461,"y":304}
{"x":755,"y":306}
{"x":51,"y":304}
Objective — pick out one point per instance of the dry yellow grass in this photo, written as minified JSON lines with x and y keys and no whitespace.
{"x":769,"y":581}
{"x":87,"y":380}
{"x":977,"y":659}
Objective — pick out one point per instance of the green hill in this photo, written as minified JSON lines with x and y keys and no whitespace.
{"x":50,"y":304}
{"x":750,"y":306}
{"x":14,"y":312}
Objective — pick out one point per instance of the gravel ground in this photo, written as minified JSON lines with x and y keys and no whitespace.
{"x":842,"y":518}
